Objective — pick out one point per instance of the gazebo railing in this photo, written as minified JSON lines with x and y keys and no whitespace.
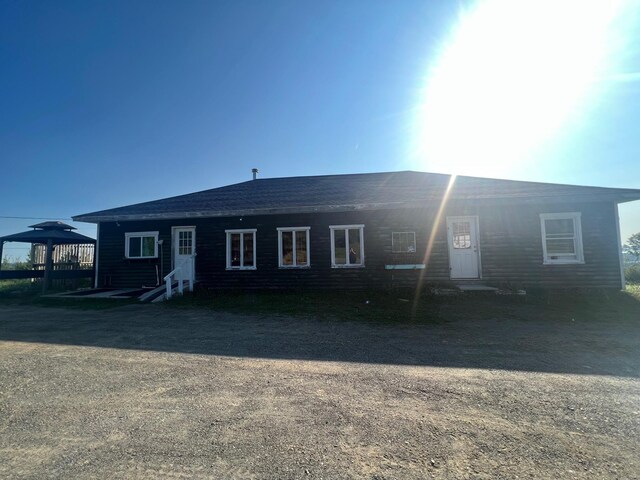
{"x":71,"y":263}
{"x":65,"y":257}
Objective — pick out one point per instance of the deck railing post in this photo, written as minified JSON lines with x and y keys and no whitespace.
{"x":168,"y":283}
{"x":48,"y":266}
{"x":191,"y":272}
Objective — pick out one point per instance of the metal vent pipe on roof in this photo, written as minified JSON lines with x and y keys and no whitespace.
{"x":255,"y":173}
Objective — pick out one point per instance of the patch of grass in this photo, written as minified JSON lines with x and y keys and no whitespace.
{"x":633,"y":290}
{"x":402,"y":307}
{"x":24,"y":292}
{"x":632,"y":273}
{"x":372,"y":306}
{"x":350,"y":305}
{"x":586,"y":305}
{"x":18,"y":287}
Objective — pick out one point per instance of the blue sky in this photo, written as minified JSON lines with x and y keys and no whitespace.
{"x":110,"y":103}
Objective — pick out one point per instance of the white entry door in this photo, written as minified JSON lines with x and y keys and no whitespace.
{"x":462,"y":234}
{"x":184,"y":249}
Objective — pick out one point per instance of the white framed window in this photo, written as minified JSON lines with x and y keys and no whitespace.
{"x":347,"y":246}
{"x":241,"y":249}
{"x":293,"y":247}
{"x":141,"y":244}
{"x":561,"y":238}
{"x":403,"y":242}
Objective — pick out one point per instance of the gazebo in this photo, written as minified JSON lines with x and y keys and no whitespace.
{"x":50,"y":235}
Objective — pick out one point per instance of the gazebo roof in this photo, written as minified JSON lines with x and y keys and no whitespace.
{"x":53,"y":226}
{"x":59,"y":233}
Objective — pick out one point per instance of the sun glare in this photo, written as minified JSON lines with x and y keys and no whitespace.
{"x":508,"y":79}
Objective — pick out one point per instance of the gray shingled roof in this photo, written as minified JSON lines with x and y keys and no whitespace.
{"x":57,"y":225}
{"x":344,"y":192}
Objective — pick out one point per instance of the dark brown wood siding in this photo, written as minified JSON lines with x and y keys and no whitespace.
{"x":510,"y":243}
{"x":511,"y":246}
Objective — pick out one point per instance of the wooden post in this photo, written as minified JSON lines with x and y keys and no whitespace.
{"x":95,"y":260}
{"x":48,"y":266}
{"x":1,"y":245}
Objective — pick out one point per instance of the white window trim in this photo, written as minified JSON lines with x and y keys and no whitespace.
{"x":346,"y":228}
{"x":414,"y":241}
{"x":293,"y":229}
{"x":255,"y":248}
{"x":577,"y":227}
{"x":128,"y":235}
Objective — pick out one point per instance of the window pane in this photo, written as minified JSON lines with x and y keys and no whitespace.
{"x":148,"y":246}
{"x":460,"y":228}
{"x":557,"y":246}
{"x":462,"y":241}
{"x":340,"y":247}
{"x":404,"y":242}
{"x":411,"y":242}
{"x":134,"y":246}
{"x":287,"y":248}
{"x":397,"y":242}
{"x":559,"y":226}
{"x":185,"y":243}
{"x":248,"y":250}
{"x":235,"y":249}
{"x":354,"y":247}
{"x":301,"y":248}
{"x":461,"y":235}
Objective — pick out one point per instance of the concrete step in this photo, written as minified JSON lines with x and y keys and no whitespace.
{"x":475,"y":287}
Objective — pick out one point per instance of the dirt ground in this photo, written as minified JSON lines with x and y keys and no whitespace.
{"x":146,"y":391}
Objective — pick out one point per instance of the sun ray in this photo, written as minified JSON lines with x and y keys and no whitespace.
{"x":432,"y":237}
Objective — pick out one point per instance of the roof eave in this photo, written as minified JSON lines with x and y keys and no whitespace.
{"x":95,"y":218}
{"x":630,"y":197}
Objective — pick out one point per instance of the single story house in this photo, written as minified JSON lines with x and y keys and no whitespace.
{"x":367,"y":231}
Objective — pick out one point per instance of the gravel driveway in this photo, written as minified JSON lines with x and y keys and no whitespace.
{"x":145,"y":391}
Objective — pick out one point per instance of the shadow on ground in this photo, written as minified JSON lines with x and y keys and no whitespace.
{"x":535,"y":343}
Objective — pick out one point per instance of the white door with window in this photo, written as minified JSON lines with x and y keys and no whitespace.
{"x":464,"y":260}
{"x":184,"y":249}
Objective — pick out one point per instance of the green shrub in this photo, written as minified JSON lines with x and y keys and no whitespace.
{"x":632,"y":273}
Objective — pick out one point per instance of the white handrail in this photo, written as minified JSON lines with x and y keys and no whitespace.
{"x":184,"y":269}
{"x":168,"y":281}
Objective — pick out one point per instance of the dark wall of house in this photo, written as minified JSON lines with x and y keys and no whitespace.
{"x":511,"y":247}
{"x":510,"y":244}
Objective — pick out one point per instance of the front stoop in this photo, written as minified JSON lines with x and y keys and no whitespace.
{"x":475,"y":287}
